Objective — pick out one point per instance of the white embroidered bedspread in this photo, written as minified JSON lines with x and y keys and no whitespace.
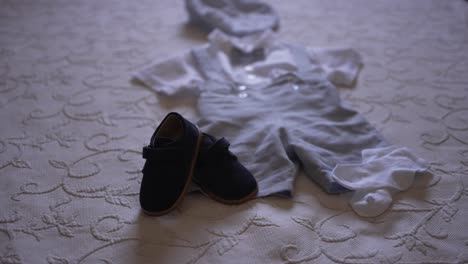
{"x":73,"y":125}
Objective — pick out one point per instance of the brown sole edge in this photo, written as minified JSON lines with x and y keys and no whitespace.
{"x":187,"y":184}
{"x":247,"y":198}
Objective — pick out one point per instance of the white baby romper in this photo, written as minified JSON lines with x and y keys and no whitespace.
{"x":281,"y":112}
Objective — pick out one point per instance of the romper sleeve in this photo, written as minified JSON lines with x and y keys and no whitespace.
{"x":171,"y":76}
{"x":340,"y":65}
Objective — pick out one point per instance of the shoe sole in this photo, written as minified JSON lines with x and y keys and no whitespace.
{"x":187,"y":184}
{"x":244,"y":199}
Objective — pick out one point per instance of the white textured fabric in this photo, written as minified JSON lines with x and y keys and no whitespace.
{"x":383,"y":172}
{"x":72,"y":128}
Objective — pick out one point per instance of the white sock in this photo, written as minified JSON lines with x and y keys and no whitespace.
{"x":372,"y":203}
{"x":382,"y":173}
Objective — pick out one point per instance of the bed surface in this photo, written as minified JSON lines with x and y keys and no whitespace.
{"x":73,"y":125}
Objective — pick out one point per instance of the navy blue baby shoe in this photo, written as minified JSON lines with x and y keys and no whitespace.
{"x":170,"y":163}
{"x":220,"y":175}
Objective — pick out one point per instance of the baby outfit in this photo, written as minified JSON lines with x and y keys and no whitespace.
{"x":278,"y":106}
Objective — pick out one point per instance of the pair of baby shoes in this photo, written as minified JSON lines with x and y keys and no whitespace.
{"x":178,"y":154}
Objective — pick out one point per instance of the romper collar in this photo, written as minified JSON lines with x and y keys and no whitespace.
{"x":247,"y":44}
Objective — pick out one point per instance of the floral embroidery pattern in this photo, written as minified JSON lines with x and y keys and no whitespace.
{"x":73,"y":124}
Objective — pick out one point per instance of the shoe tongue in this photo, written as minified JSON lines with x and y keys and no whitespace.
{"x":163,"y":142}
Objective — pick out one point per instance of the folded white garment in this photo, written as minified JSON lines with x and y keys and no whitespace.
{"x":234,"y":17}
{"x":382,"y":173}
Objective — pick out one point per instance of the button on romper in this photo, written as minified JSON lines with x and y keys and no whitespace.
{"x":296,"y":120}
